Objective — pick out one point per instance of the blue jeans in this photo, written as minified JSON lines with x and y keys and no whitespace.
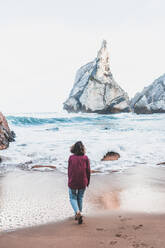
{"x":76,"y":199}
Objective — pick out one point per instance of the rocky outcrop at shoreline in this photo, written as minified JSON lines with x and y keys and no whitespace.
{"x":151,"y":99}
{"x":111,"y":156}
{"x":6,"y":135}
{"x":95,"y":90}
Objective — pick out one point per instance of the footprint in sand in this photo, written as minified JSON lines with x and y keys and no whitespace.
{"x":139,"y":245}
{"x":137,"y":227}
{"x":113,"y":242}
{"x":124,"y":236}
{"x":118,"y":235}
{"x":124,"y":218}
{"x":136,"y":245}
{"x":100,"y":229}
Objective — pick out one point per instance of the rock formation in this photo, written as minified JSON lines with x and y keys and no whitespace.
{"x":43,"y":166}
{"x":95,"y":90}
{"x":161,"y":163}
{"x":151,"y":99}
{"x":6,"y":135}
{"x":111,"y":156}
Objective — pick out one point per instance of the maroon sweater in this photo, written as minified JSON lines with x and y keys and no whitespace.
{"x":78,"y":172}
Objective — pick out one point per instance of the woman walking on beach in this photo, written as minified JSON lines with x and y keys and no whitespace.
{"x":78,"y":178}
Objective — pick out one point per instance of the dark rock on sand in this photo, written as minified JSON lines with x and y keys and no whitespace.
{"x":43,"y":166}
{"x":110,"y":156}
{"x":161,"y":163}
{"x":95,"y":171}
{"x":95,"y":90}
{"x":6,"y":135}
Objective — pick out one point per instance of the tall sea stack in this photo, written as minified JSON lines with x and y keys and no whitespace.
{"x":95,"y":90}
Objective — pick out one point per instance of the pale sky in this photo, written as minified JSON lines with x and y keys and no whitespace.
{"x":44,"y":42}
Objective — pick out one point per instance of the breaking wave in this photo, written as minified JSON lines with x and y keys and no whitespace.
{"x":45,"y":139}
{"x":29,"y":121}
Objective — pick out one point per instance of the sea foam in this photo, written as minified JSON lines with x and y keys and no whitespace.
{"x":45,"y":139}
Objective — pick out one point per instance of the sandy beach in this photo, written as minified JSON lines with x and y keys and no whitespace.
{"x":120,"y":210}
{"x":119,"y":231}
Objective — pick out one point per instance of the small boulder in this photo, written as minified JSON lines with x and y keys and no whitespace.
{"x":161,"y":163}
{"x":95,"y":171}
{"x":110,"y":156}
{"x":43,"y":166}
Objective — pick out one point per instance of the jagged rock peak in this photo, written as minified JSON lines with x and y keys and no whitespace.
{"x":151,"y":99}
{"x":95,"y":90}
{"x":103,"y":60}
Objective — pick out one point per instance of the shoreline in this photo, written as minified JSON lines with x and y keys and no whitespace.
{"x":121,"y":210}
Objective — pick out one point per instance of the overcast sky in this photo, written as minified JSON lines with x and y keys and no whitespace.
{"x":44,"y":42}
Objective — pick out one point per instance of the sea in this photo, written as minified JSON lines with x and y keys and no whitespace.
{"x":46,"y":138}
{"x":30,"y":197}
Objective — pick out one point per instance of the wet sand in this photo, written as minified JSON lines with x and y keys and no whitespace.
{"x":120,"y":210}
{"x":118,"y":230}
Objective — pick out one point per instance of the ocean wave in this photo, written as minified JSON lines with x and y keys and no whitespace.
{"x":29,"y":121}
{"x":46,"y":139}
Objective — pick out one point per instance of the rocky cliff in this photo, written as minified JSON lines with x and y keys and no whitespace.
{"x":151,"y":99}
{"x":95,"y":90}
{"x":6,"y":135}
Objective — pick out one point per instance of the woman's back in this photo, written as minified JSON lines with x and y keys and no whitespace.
{"x":78,"y":171}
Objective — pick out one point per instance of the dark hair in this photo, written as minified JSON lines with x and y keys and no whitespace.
{"x":78,"y":148}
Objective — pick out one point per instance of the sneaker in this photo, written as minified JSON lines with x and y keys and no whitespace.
{"x":79,"y":218}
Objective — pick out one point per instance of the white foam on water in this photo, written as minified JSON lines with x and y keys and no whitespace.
{"x":138,"y":138}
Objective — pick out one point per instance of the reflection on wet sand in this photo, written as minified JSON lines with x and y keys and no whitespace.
{"x":107,"y":200}
{"x":140,"y":189}
{"x":33,"y":198}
